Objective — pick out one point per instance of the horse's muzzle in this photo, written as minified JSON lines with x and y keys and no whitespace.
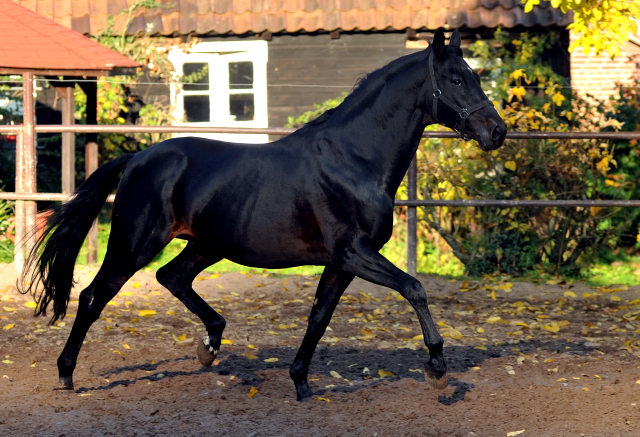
{"x":492,"y":135}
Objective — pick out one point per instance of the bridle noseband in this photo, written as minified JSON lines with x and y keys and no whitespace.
{"x":464,"y":113}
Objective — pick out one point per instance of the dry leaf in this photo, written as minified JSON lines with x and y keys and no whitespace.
{"x":7,"y":361}
{"x":226,"y":341}
{"x":323,"y":399}
{"x":418,"y":337}
{"x":569,"y":294}
{"x":270,"y":360}
{"x":9,"y":326}
{"x":171,"y":313}
{"x":250,"y":357}
{"x":384,"y":373}
{"x":9,"y":309}
{"x":30,"y":304}
{"x":514,"y":433}
{"x":146,"y":313}
{"x":252,"y":392}
{"x":136,"y":285}
{"x":335,"y":374}
{"x":126,"y":346}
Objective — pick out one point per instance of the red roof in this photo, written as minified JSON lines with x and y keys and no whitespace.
{"x":31,"y":41}
{"x":202,"y":17}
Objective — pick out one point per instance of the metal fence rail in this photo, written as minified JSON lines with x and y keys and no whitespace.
{"x":27,"y":199}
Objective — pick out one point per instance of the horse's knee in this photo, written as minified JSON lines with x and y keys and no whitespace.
{"x":414,"y":292}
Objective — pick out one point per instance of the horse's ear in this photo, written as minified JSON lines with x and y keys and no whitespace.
{"x":455,"y":39}
{"x":439,"y":48}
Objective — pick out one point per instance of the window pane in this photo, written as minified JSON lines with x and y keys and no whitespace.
{"x":240,"y":75}
{"x":197,"y":108}
{"x":241,"y":107}
{"x":197,"y":74}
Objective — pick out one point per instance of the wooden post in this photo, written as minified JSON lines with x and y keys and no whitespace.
{"x":91,"y":165}
{"x":91,"y":160}
{"x":68,"y":140}
{"x":412,"y":220}
{"x":26,"y":180}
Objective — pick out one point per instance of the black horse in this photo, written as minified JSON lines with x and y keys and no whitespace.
{"x":320,"y":196}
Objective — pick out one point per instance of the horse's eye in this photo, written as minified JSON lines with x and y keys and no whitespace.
{"x":456,"y":82}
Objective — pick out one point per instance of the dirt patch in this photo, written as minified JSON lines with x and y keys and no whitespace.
{"x":547,"y":359}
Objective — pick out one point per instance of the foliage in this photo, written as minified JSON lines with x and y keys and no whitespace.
{"x":7,"y":234}
{"x":320,"y":109}
{"x":603,"y":25}
{"x":117,"y":102}
{"x":521,"y":240}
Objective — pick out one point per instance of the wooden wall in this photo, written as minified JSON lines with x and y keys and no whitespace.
{"x":327,"y":67}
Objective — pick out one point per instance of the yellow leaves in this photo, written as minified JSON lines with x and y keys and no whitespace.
{"x":613,"y":289}
{"x":178,"y":339}
{"x":480,"y":330}
{"x":7,"y":361}
{"x":147,"y":313}
{"x":515,"y":433}
{"x":9,"y":326}
{"x":517,"y":92}
{"x":136,"y":285}
{"x":214,"y":276}
{"x":383,"y":373}
{"x":324,"y":399}
{"x":335,"y":374}
{"x":171,"y":313}
{"x":30,"y":304}
{"x":558,"y":98}
{"x":250,"y":356}
{"x":510,"y":165}
{"x":614,"y":298}
{"x":517,"y":74}
{"x":227,"y":341}
{"x":493,"y":319}
{"x":125,"y":345}
{"x":252,"y":392}
{"x":270,"y":360}
{"x":418,"y":337}
{"x":452,"y":333}
{"x":112,"y":303}
{"x":569,"y":294}
{"x":9,"y":309}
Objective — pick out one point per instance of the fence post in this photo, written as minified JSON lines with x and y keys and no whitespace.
{"x":91,"y":165}
{"x":19,"y":229}
{"x":68,"y":140}
{"x":412,"y":220}
{"x":26,"y":181}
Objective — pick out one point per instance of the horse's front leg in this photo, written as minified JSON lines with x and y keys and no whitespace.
{"x":362,"y":260}
{"x":332,"y":285}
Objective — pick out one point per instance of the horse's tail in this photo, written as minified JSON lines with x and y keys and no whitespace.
{"x":51,"y":262}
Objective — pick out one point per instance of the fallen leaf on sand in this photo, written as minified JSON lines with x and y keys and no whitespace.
{"x":30,"y":304}
{"x":9,"y":326}
{"x":335,"y":374}
{"x":384,"y":373}
{"x":271,"y":360}
{"x":323,"y":399}
{"x":514,"y":433}
{"x":252,"y":392}
{"x":146,"y":313}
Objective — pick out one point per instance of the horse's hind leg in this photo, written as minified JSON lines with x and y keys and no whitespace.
{"x":112,"y":276}
{"x":177,"y":276}
{"x":332,"y":284}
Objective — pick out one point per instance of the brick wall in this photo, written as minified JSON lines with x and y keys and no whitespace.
{"x":598,"y":75}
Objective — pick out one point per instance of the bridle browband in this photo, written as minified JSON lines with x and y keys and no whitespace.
{"x":464,"y":113}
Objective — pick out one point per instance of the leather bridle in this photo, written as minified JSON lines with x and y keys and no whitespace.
{"x":464,"y":113}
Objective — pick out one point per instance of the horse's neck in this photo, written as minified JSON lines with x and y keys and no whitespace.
{"x":383,"y":133}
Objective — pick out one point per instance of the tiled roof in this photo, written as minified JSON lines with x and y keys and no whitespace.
{"x":243,"y":16}
{"x":31,"y":41}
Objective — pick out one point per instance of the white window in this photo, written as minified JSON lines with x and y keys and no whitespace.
{"x":230,"y":89}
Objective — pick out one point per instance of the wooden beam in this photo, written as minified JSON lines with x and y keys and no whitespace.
{"x":26,"y":179}
{"x":45,"y":72}
{"x":68,"y":140}
{"x":91,"y":165}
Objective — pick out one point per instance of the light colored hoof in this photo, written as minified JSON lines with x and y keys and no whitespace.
{"x":206,"y":353}
{"x":437,"y":381}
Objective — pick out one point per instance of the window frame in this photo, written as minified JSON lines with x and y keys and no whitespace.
{"x":218,"y":54}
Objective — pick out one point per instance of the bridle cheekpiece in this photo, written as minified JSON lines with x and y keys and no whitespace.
{"x":464,"y":113}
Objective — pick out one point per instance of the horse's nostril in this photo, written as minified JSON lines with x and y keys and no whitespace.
{"x":496,"y":133}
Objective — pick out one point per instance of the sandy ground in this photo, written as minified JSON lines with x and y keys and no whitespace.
{"x":525,"y":359}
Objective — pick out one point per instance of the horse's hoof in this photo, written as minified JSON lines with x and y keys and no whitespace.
{"x":65,"y":383}
{"x":436,"y":378}
{"x":206,"y":353}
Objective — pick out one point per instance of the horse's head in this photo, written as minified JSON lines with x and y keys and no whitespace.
{"x":457,"y":100}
